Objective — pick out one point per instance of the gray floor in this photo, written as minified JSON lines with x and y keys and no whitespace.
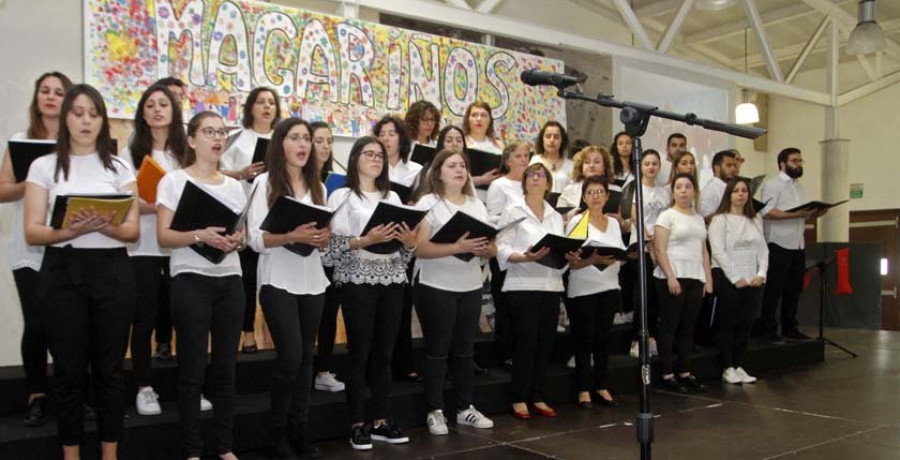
{"x":841,"y":409}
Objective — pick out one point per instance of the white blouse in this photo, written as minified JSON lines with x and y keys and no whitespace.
{"x":591,"y":280}
{"x":279,"y":267}
{"x":450,"y":273}
{"x":656,"y":200}
{"x":22,"y":254}
{"x":240,"y":153}
{"x":147,"y":245}
{"x":687,"y":235}
{"x":561,"y":177}
{"x":404,"y":173}
{"x":86,"y":175}
{"x":360,"y":266}
{"x":738,"y":247}
{"x":486,"y":145}
{"x":528,"y":276}
{"x":502,"y":194}
{"x":185,"y":260}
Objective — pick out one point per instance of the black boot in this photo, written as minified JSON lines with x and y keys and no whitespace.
{"x":300,"y":441}
{"x":281,"y":447}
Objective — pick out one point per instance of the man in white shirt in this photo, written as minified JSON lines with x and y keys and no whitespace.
{"x":724,"y":169}
{"x":674,"y":144}
{"x":784,"y":235}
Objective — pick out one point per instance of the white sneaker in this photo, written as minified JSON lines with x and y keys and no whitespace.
{"x":147,"y":402}
{"x":472,"y":417}
{"x":437,"y":423}
{"x":205,"y":405}
{"x":635,"y":351}
{"x":731,"y":376}
{"x":654,"y":350}
{"x":745,"y":377}
{"x":571,"y":363}
{"x":328,"y":382}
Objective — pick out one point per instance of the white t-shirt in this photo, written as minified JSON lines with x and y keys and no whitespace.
{"x":22,"y":254}
{"x":277,"y":266}
{"x":86,"y":175}
{"x":240,"y":153}
{"x":591,"y":280}
{"x":185,"y":260}
{"x":147,"y":245}
{"x":528,"y":276}
{"x":501,"y":194}
{"x":656,"y":200}
{"x":353,"y":213}
{"x":687,"y":235}
{"x":450,"y":273}
{"x":561,"y":177}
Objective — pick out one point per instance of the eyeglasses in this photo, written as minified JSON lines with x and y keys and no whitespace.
{"x":536,"y":175}
{"x":372,"y":155}
{"x":212,"y":133}
{"x":595,"y":193}
{"x":796,"y":162}
{"x":298,"y":137}
{"x":594,"y":163}
{"x":428,"y":120}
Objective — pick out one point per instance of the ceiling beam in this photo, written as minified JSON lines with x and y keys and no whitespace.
{"x":459,"y":4}
{"x":869,"y":88}
{"x":675,"y":26}
{"x":658,"y":8}
{"x":752,"y":13}
{"x":634,"y":24}
{"x":892,"y":49}
{"x":487,"y":6}
{"x":807,"y":49}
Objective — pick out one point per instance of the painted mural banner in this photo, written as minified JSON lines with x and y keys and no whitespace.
{"x":342,"y":71}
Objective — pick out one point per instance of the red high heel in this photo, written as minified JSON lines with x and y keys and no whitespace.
{"x":548,"y":412}
{"x":522,"y":415}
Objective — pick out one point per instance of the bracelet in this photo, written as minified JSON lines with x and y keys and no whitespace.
{"x":412,"y":249}
{"x":196,"y":237}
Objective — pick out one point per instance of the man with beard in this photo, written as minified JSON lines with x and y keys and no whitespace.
{"x":784,"y":235}
{"x":675,"y":144}
{"x":724,"y":168}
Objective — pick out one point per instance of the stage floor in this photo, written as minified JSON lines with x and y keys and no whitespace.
{"x":842,"y":408}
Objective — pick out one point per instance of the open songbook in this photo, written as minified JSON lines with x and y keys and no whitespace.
{"x":289,"y":213}
{"x":386,"y":213}
{"x":198,"y":208}
{"x":148,"y":177}
{"x":66,"y":206}
{"x":559,"y":247}
{"x":460,"y":223}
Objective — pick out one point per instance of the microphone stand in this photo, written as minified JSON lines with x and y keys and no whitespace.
{"x":636,"y":117}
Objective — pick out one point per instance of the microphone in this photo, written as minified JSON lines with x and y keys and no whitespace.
{"x":535,"y":77}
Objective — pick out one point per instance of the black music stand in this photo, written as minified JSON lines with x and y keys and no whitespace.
{"x":822,"y":267}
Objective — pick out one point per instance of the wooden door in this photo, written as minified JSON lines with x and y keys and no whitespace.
{"x":882,"y":226}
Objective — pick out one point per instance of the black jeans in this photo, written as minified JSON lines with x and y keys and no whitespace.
{"x":735,"y":310}
{"x":87,"y":301}
{"x":372,"y":318}
{"x":678,"y":317}
{"x":153,"y":287}
{"x":328,"y":325}
{"x":591,"y":317}
{"x":449,"y":324}
{"x":652,"y":297}
{"x":249,"y":261}
{"x":204,"y":306}
{"x":34,"y":337}
{"x":784,"y":283}
{"x":293,"y":321}
{"x":403,"y":362}
{"x":504,"y":335}
{"x":535,"y":315}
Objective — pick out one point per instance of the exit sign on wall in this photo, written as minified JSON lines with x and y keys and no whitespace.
{"x":856,"y":191}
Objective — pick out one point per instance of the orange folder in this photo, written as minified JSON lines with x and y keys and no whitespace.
{"x":148,"y":177}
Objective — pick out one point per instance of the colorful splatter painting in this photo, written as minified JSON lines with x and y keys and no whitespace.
{"x":343,"y":71}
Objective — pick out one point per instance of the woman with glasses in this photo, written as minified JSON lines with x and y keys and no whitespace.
{"x":423,"y":121}
{"x":589,"y":162}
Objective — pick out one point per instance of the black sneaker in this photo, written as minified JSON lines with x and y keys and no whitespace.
{"x":163,"y":352}
{"x":37,"y":412}
{"x":796,"y":335}
{"x":673,"y":384}
{"x":360,"y":438}
{"x":389,"y":433}
{"x":692,"y":384}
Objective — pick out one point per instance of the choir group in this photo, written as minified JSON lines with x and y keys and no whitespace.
{"x":90,"y":286}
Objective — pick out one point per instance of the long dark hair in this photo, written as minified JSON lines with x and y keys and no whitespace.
{"x":725,"y":205}
{"x":104,"y":143}
{"x":381,"y":182}
{"x":618,"y":167}
{"x":490,"y":128}
{"x":190,"y":155}
{"x":247,"y":120}
{"x":400,"y":127}
{"x":142,"y":142}
{"x":279,"y":179}
{"x":433,"y":182}
{"x":564,"y":144}
{"x":328,"y":166}
{"x":414,"y":116}
{"x":442,"y":137}
{"x":696,"y":198}
{"x":36,"y":128}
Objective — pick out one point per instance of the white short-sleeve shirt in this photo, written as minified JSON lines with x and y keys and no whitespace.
{"x":687,"y":235}
{"x":240,"y":153}
{"x":450,"y":273}
{"x":147,"y":245}
{"x":22,"y":254}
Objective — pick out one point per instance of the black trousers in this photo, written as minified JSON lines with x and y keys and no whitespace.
{"x":403,"y":362}
{"x":504,"y":334}
{"x":293,"y":321}
{"x":87,"y":300}
{"x":153,"y":295}
{"x":735,"y":311}
{"x":249,"y":261}
{"x":784,"y":283}
{"x":535,"y":315}
{"x":372,"y":319}
{"x":678,"y":317}
{"x":591,"y":317}
{"x":204,"y":307}
{"x":328,"y":325}
{"x":652,"y":297}
{"x":449,"y":325}
{"x":34,"y":337}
